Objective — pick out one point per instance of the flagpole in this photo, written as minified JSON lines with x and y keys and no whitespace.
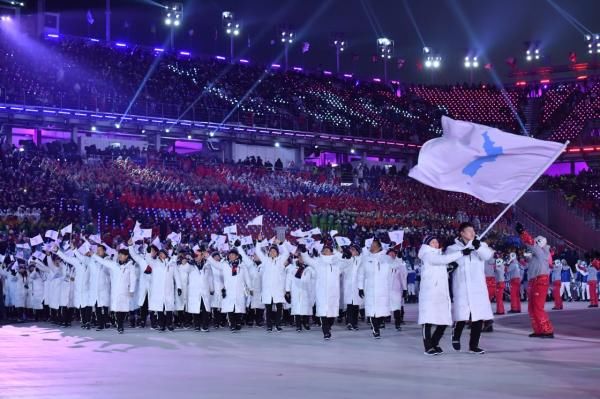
{"x":518,"y":197}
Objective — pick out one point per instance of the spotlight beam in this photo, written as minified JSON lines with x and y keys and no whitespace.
{"x":306,"y":27}
{"x":414,"y":21}
{"x":372,"y":20}
{"x":151,"y":70}
{"x":224,"y":72}
{"x":476,"y":44}
{"x":571,"y":19}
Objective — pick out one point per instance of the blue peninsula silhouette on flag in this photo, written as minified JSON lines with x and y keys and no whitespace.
{"x":491,"y":152}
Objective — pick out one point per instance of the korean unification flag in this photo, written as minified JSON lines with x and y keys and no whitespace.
{"x":482,"y":161}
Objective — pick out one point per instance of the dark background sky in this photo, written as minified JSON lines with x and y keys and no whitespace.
{"x":496,"y":29}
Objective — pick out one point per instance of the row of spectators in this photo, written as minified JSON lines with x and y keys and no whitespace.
{"x":81,"y":74}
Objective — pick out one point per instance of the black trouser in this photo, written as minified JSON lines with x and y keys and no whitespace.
{"x":352,"y":315}
{"x":201,"y":319}
{"x":219,"y":318}
{"x":67,"y":315}
{"x":429,"y":340}
{"x":259,"y":316}
{"x":376,"y":323}
{"x":398,"y":317}
{"x":86,"y":315}
{"x":278,"y":312}
{"x":120,"y":319}
{"x":164,"y":317}
{"x":102,"y":316}
{"x":476,"y":327}
{"x":301,"y":321}
{"x":235,"y":320}
{"x":326,"y":323}
{"x":144,"y":311}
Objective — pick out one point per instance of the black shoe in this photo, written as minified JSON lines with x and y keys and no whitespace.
{"x":238,"y":328}
{"x":306,"y":327}
{"x":327,"y":336}
{"x":430,"y":352}
{"x":204,"y":330}
{"x":550,"y":335}
{"x":162,"y":329}
{"x":376,"y":335}
{"x":488,"y":329}
{"x":398,"y":328}
{"x":592,"y":306}
{"x":120,"y":330}
{"x":298,"y":329}
{"x":476,"y":351}
{"x":355,"y":328}
{"x":498,"y":314}
{"x":278,"y":329}
{"x":534,"y":335}
{"x":349,"y":327}
{"x":514,"y":311}
{"x":99,"y":328}
{"x":171,"y":328}
{"x":269,"y":329}
{"x":438,"y":350}
{"x":456,"y":345}
{"x":197,"y":329}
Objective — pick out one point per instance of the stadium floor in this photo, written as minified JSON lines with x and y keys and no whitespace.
{"x":40,"y":361}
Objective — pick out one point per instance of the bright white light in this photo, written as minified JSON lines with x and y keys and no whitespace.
{"x":168,"y":21}
{"x":467,"y":64}
{"x":436,"y":63}
{"x":167,"y":130}
{"x":236,"y":32}
{"x":189,"y":136}
{"x":228,"y":31}
{"x":176,"y":23}
{"x":528,"y":58}
{"x":212,"y":134}
{"x":352,"y":151}
{"x":118,"y":125}
{"x":426,"y":50}
{"x":384,"y":41}
{"x":93,"y":128}
{"x":276,"y":144}
{"x":588,"y":37}
{"x":428,"y":64}
{"x":475,"y":64}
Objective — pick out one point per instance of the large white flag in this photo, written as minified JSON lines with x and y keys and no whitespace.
{"x":482,"y":161}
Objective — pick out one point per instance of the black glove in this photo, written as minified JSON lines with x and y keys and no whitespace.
{"x":237,"y":243}
{"x":361,"y":293}
{"x":405,"y":294}
{"x":288,"y":297}
{"x":346,"y":254}
{"x":26,"y":286}
{"x":315,"y":253}
{"x":476,"y":243}
{"x":212,"y":293}
{"x":519,"y":228}
{"x":467,"y":251}
{"x":452,"y":267}
{"x":179,"y":292}
{"x":224,"y":293}
{"x":302,"y":248}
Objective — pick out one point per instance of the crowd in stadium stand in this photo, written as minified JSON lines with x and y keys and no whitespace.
{"x":82,"y":74}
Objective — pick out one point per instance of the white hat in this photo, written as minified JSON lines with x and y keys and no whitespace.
{"x":541,"y":241}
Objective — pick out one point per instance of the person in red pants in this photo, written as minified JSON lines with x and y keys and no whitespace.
{"x":593,"y":282}
{"x":514,"y":276}
{"x":556,"y":281}
{"x":500,"y":286}
{"x":539,"y":280}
